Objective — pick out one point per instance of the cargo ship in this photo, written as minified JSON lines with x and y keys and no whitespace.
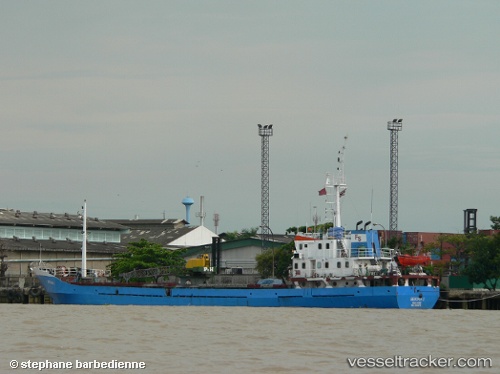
{"x":337,"y":268}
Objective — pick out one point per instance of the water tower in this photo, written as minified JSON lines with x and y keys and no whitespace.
{"x":187,"y":201}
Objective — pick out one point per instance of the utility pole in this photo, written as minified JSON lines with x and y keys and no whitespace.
{"x":394,"y":127}
{"x":216,"y":223}
{"x":202,"y":212}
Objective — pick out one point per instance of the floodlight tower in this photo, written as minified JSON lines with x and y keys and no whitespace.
{"x":394,"y":127}
{"x":265,"y":131}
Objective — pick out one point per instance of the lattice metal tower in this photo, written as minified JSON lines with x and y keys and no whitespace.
{"x":265,"y":131}
{"x":394,"y":127}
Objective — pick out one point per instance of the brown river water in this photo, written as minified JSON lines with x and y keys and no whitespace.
{"x":83,"y":339}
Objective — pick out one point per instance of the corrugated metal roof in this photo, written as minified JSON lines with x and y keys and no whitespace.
{"x":159,"y":231}
{"x":10,"y":217}
{"x":158,"y":235}
{"x":162,"y":231}
{"x":171,"y":222}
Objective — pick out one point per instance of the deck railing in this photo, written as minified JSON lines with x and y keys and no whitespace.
{"x":385,"y":253}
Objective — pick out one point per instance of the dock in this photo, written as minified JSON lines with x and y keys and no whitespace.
{"x":22,"y":290}
{"x":469,"y":299}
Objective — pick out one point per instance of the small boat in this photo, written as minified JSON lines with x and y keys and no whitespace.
{"x":334,"y":269}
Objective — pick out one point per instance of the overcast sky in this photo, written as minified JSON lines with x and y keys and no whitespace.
{"x":134,"y":105}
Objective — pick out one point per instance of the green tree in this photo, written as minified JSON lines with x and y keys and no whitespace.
{"x":282,"y":261}
{"x":456,"y":246}
{"x":396,"y":242}
{"x":145,"y":255}
{"x":440,"y":267}
{"x":243,"y":234}
{"x":485,"y":260}
{"x":322,"y":227}
{"x":495,"y":222}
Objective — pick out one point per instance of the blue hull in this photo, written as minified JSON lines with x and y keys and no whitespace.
{"x":403,"y":297}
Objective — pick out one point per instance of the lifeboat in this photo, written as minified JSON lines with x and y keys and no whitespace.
{"x":305,"y":237}
{"x":407,"y":260}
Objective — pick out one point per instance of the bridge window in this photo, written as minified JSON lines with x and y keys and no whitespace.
{"x":327,"y":245}
{"x":339,"y":264}
{"x":296,"y":266}
{"x":303,"y":265}
{"x":327,"y":264}
{"x":319,"y":245}
{"x":347,"y":264}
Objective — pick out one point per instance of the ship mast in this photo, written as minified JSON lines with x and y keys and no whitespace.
{"x":335,"y":188}
{"x":330,"y":203}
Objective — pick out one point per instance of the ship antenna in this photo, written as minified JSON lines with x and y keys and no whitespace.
{"x":84,"y":240}
{"x":340,"y":185}
{"x":371,"y":209}
{"x":340,"y":160}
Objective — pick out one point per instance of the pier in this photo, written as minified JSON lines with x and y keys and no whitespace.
{"x":469,"y":299}
{"x":22,"y":290}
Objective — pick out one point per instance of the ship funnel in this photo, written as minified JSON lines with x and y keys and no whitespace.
{"x":357,"y":224}
{"x":187,"y":201}
{"x":367,"y":224}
